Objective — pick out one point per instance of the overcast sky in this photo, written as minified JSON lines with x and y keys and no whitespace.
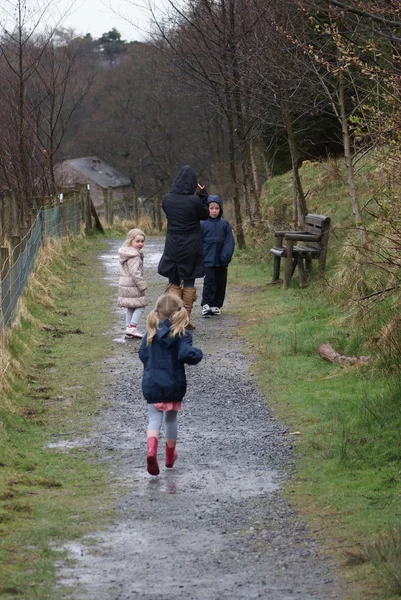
{"x":96,"y":17}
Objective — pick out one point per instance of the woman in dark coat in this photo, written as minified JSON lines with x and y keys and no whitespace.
{"x":185,"y":207}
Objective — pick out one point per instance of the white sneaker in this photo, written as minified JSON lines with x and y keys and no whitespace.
{"x":206,"y":310}
{"x":215,"y":310}
{"x":132,"y":332}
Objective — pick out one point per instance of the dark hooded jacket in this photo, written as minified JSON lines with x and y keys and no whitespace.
{"x":218,"y":239}
{"x":182,"y":258}
{"x":164,"y":372}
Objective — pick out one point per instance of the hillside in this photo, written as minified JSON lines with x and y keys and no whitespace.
{"x":344,"y":420}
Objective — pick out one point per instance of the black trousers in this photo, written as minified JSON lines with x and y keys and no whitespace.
{"x":214,"y":286}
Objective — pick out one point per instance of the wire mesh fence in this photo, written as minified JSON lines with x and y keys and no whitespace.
{"x":16,"y":265}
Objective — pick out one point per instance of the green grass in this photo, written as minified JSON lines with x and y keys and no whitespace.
{"x":345,"y":421}
{"x":48,"y":496}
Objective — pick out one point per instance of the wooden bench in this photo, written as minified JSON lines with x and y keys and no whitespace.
{"x":315,"y":239}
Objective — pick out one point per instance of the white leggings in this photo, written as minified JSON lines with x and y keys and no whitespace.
{"x":156,"y":421}
{"x":133,"y":315}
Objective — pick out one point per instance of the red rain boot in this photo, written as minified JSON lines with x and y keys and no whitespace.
{"x":151,"y":457}
{"x":171,"y":457}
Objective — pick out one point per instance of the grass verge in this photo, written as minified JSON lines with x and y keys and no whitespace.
{"x":345,"y":423}
{"x":50,"y":395}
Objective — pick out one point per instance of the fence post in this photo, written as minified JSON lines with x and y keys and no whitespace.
{"x":106,"y":205}
{"x":5,"y":282}
{"x":61,"y":209}
{"x":127,"y":207}
{"x":82,"y":192}
{"x":2,"y":224}
{"x":15,"y":254}
{"x":24,"y":232}
{"x":110,"y":205}
{"x":88,"y":212}
{"x":14,"y":213}
{"x":7,"y":215}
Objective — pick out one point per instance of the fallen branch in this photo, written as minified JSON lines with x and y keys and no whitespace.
{"x":327,"y":352}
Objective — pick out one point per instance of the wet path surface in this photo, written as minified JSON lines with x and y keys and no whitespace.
{"x":216,"y":525}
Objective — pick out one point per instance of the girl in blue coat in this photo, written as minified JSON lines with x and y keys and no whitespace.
{"x":165,"y":349}
{"x":218,"y":249}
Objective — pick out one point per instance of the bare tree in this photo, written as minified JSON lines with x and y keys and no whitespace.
{"x":205,"y":41}
{"x":25,"y":48}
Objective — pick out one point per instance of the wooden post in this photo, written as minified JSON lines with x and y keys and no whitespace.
{"x":2,"y":225}
{"x":7,"y":215}
{"x":24,"y":233}
{"x":288,"y":264}
{"x":324,"y":242}
{"x":110,"y":205}
{"x":301,"y":271}
{"x":14,"y":213}
{"x":88,"y":212}
{"x":15,"y":248}
{"x":82,"y":193}
{"x":127,"y":207}
{"x":277,"y":259}
{"x":308,"y":265}
{"x":15,"y":254}
{"x":34,"y":209}
{"x":35,"y":212}
{"x":98,"y":224}
{"x":106,"y":205}
{"x":5,"y":282}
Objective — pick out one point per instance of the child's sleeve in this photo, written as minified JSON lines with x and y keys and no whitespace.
{"x":202,"y":208}
{"x":228,"y":247}
{"x":188,"y":353}
{"x":143,"y":350}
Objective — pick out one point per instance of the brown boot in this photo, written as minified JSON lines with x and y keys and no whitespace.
{"x":188,"y":298}
{"x":173,"y":288}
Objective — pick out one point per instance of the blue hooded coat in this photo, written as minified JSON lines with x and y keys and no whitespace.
{"x":164,"y":377}
{"x":182,"y":257}
{"x":218,"y":239}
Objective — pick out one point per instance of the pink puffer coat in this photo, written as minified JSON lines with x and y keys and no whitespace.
{"x":132,"y":286}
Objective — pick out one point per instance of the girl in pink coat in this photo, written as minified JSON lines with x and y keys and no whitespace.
{"x":132,"y":285}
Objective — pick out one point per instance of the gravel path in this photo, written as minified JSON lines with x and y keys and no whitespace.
{"x":216,"y":526}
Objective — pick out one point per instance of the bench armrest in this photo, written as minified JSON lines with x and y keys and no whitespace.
{"x":282,"y":233}
{"x":302,"y":237}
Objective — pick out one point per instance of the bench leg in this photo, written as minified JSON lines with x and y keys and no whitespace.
{"x":308,"y":265}
{"x":288,"y":265}
{"x":276,"y":268}
{"x":301,"y":272}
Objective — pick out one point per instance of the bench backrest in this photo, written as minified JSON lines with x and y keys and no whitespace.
{"x":318,"y":225}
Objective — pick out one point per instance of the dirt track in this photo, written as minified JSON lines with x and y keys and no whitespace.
{"x":215,"y":526}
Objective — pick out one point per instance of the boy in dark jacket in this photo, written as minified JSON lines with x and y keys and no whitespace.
{"x":218,"y":249}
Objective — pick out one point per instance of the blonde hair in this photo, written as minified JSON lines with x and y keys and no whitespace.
{"x":168,"y":306}
{"x":132,"y":234}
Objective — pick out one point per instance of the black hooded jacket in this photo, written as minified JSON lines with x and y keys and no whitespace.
{"x":182,"y":258}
